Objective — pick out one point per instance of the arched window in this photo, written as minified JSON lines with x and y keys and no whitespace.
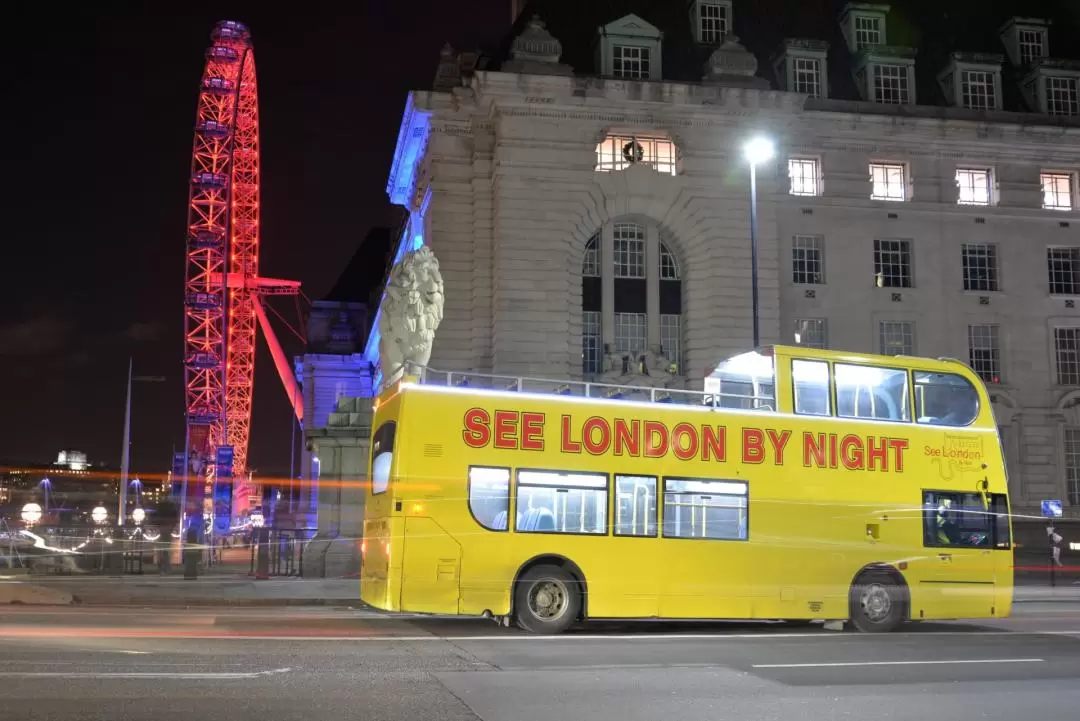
{"x":631,"y":326}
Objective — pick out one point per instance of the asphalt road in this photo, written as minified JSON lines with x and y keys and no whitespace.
{"x":267,"y":665}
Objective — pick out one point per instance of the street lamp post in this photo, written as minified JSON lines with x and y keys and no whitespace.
{"x":125,"y":456}
{"x":758,"y":150}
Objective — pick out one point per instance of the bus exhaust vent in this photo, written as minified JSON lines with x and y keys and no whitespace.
{"x":433,"y":450}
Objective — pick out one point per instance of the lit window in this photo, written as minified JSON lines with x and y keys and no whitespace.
{"x":811,"y":333}
{"x":1031,"y":46}
{"x":974,"y":185}
{"x":1063,"y":266}
{"x":1067,"y":352}
{"x":984,"y":352}
{"x":980,"y":267}
{"x":1057,"y":191}
{"x":1062,"y":97}
{"x":808,"y":260}
{"x":897,"y":337}
{"x":705,"y":509}
{"x":871,"y":392}
{"x":806,"y":76}
{"x":811,"y":385}
{"x":888,"y":181}
{"x":557,"y":502}
{"x":892,"y":263}
{"x":977,"y":90}
{"x":867,"y":32}
{"x":713,"y":22}
{"x":804,"y":176}
{"x":891,"y":84}
{"x":630,"y":333}
{"x":489,"y":496}
{"x":630,"y":62}
{"x":635,"y":506}
{"x":619,"y":152}
{"x":629,"y":250}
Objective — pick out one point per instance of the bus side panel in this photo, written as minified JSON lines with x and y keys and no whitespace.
{"x":380,"y":577}
{"x":431,"y":567}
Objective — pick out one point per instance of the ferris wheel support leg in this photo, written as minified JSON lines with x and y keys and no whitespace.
{"x":292,"y":388}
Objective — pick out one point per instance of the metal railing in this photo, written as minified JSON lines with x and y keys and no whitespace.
{"x":590,"y":389}
{"x":284,"y":548}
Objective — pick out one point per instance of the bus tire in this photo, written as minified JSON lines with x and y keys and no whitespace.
{"x":878,"y":603}
{"x":547,"y":600}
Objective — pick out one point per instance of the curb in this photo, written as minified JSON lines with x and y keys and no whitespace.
{"x":211,"y":602}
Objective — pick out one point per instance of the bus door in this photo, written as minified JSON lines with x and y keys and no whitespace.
{"x":960,"y":566}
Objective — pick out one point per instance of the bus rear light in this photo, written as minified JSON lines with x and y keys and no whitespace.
{"x":363,"y":547}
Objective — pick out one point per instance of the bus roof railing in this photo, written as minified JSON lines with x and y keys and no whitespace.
{"x":590,"y":389}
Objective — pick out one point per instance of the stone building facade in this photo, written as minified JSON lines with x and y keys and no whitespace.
{"x":585,"y":214}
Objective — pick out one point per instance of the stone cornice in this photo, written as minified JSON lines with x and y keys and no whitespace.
{"x":412,"y":135}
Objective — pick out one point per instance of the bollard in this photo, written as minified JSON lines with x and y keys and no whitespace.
{"x":191,"y":554}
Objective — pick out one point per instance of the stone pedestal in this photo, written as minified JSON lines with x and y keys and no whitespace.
{"x":342,"y":449}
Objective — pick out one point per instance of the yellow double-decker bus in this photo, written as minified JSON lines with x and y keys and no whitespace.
{"x":799,"y":485}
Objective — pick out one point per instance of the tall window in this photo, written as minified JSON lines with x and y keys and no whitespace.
{"x":808,"y":260}
{"x":811,"y":333}
{"x":1063,"y":266}
{"x":1057,"y":190}
{"x":805,"y":175}
{"x":630,"y":62}
{"x":897,"y":337}
{"x":892,"y":263}
{"x":977,"y":90}
{"x":984,"y":352}
{"x":1031,"y":45}
{"x":891,"y":84}
{"x":974,"y":185}
{"x":867,"y":32}
{"x":806,"y":76}
{"x":1061,"y":96}
{"x":1072,"y":465}
{"x":629,"y":251}
{"x":1067,"y":355}
{"x":712,"y":22}
{"x":980,"y":266}
{"x":630,"y":327}
{"x":888,"y":181}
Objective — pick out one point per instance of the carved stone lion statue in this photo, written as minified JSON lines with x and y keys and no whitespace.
{"x":412,"y":308}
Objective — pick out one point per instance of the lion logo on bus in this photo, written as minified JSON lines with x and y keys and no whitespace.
{"x":412,"y":309}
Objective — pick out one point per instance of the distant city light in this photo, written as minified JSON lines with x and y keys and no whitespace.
{"x":138,"y":515}
{"x":31,"y":513}
{"x":99,"y":514}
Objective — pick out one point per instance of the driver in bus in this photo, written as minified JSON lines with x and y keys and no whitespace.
{"x":945,"y":522}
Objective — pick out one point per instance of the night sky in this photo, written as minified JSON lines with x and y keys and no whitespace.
{"x":97,"y":122}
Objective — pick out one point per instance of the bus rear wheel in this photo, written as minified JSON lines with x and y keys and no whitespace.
{"x":878,"y":603}
{"x":547,"y":600}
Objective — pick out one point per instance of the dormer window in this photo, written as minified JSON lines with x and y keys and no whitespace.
{"x":1053,"y":87}
{"x":973,"y":81}
{"x":1026,"y":40}
{"x":800,"y":67}
{"x":629,"y":48}
{"x":864,"y":25}
{"x":712,"y":19}
{"x":887,"y":75}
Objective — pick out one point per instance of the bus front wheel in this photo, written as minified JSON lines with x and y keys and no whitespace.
{"x":547,"y":600}
{"x":878,"y":603}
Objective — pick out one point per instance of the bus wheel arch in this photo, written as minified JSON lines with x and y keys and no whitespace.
{"x":879,"y":598}
{"x":553,"y":565}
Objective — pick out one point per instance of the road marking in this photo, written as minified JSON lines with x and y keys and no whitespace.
{"x":203,"y":676}
{"x":898,"y":663}
{"x":151,"y":635}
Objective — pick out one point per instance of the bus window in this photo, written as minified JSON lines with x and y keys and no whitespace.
{"x":743,"y":381}
{"x":489,"y":496}
{"x":561,"y":502}
{"x":945,"y":399}
{"x":870,"y":392}
{"x":958,"y":520}
{"x":705,"y":509}
{"x":811,"y":382}
{"x":635,"y":506}
{"x":382,"y":457}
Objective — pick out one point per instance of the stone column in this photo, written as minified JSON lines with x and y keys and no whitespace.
{"x":652,"y":285}
{"x":343,"y":450}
